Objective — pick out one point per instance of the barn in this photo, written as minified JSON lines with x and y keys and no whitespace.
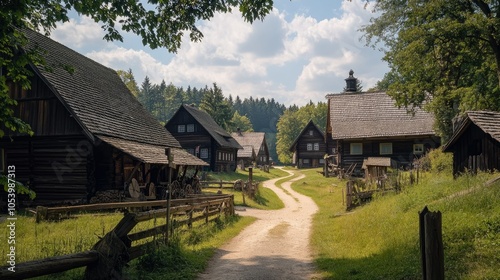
{"x":475,"y":142}
{"x":90,"y":133}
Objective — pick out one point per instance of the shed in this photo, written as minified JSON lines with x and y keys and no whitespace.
{"x":376,"y":167}
{"x":475,"y":143}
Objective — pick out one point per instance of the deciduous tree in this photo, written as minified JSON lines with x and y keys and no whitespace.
{"x":445,"y":54}
{"x":160,"y":24}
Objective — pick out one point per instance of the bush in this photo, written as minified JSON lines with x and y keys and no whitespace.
{"x":440,"y":162}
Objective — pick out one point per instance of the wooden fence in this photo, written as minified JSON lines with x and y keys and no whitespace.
{"x":110,"y":254}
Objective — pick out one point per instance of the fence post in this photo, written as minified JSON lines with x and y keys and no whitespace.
{"x":431,"y":245}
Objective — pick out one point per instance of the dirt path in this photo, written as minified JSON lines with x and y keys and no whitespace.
{"x":276,"y":246}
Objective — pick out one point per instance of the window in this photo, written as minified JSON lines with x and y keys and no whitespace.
{"x":356,"y":148}
{"x":309,"y":146}
{"x":191,"y":151}
{"x":385,"y":148}
{"x":321,"y":161}
{"x":418,"y":149}
{"x":316,"y":146}
{"x":311,"y":133}
{"x":334,"y":150}
{"x":181,"y":128}
{"x":306,"y":161}
{"x":219,"y":156}
{"x":204,"y":153}
{"x":190,"y":128}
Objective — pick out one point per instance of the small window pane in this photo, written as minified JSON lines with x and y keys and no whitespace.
{"x":385,"y":148}
{"x":418,"y":148}
{"x":203,"y":153}
{"x":356,"y":149}
{"x":311,"y":133}
{"x":309,"y":147}
{"x":181,"y":128}
{"x":190,"y":127}
{"x":306,"y":161}
{"x":316,"y":146}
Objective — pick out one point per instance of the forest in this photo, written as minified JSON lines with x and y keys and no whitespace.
{"x":280,"y":123}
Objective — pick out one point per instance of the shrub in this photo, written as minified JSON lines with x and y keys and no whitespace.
{"x":440,"y":162}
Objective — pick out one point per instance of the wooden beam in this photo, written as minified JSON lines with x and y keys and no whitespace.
{"x":49,"y":265}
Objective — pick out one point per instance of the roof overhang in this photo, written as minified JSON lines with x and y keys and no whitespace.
{"x":152,"y":154}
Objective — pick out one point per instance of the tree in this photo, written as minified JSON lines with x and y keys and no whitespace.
{"x":239,"y":122}
{"x":129,"y":80}
{"x":444,"y":55}
{"x":160,"y":24}
{"x":145,"y":95}
{"x":216,"y":105}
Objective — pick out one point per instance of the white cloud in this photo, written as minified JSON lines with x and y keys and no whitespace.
{"x":291,"y":59}
{"x":79,"y":32}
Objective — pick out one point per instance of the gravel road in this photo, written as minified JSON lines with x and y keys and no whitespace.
{"x":276,"y":246}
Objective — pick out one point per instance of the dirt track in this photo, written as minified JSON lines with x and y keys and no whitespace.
{"x":276,"y":246}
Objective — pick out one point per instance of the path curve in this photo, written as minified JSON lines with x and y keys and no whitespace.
{"x":276,"y":246}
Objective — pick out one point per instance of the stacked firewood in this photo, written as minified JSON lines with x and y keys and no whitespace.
{"x":108,"y":196}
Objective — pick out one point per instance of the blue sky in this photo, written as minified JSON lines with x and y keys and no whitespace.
{"x":302,"y":51}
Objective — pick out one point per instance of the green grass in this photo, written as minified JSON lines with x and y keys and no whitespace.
{"x":264,"y":199}
{"x":379,"y":240}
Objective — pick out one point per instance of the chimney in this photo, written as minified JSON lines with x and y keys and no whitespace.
{"x":350,"y":82}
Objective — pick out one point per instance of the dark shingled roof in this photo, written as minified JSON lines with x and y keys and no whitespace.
{"x":249,"y":140}
{"x":487,"y":121}
{"x":221,"y":136}
{"x":376,"y":161}
{"x":96,"y":96}
{"x":373,"y":114}
{"x":153,"y":153}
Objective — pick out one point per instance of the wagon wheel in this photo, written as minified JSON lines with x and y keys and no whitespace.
{"x":196,"y":187}
{"x":189,"y":189}
{"x":175,"y":187}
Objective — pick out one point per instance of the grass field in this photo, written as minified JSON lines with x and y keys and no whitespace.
{"x":380,"y":240}
{"x":189,"y":254}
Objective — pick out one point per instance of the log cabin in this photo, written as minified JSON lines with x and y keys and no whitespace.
{"x":475,"y":143}
{"x":255,"y":149}
{"x":368,"y":124}
{"x":309,"y":147}
{"x":90,"y":133}
{"x":199,"y":134}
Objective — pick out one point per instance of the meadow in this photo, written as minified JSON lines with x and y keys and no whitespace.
{"x":380,"y":240}
{"x":188,"y":252}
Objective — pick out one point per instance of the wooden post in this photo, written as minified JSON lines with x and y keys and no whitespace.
{"x":206,"y":214}
{"x":41,"y":213}
{"x":432,"y":246}
{"x":169,"y":197}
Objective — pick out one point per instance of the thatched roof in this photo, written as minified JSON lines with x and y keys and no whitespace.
{"x":374,"y":115}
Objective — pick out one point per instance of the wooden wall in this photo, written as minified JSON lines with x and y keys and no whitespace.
{"x":56,"y":168}
{"x":313,"y":156}
{"x":41,"y":109}
{"x":475,"y":151}
{"x":402,"y":151}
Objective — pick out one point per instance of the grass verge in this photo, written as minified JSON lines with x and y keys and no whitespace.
{"x":380,"y":239}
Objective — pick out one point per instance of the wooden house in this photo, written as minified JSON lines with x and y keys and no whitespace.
{"x":90,"y":132}
{"x":476,"y":143}
{"x":255,"y":150}
{"x":199,"y":134}
{"x":309,"y":148}
{"x":368,"y":124}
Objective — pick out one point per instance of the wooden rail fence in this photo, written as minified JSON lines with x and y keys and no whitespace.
{"x":110,"y":254}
